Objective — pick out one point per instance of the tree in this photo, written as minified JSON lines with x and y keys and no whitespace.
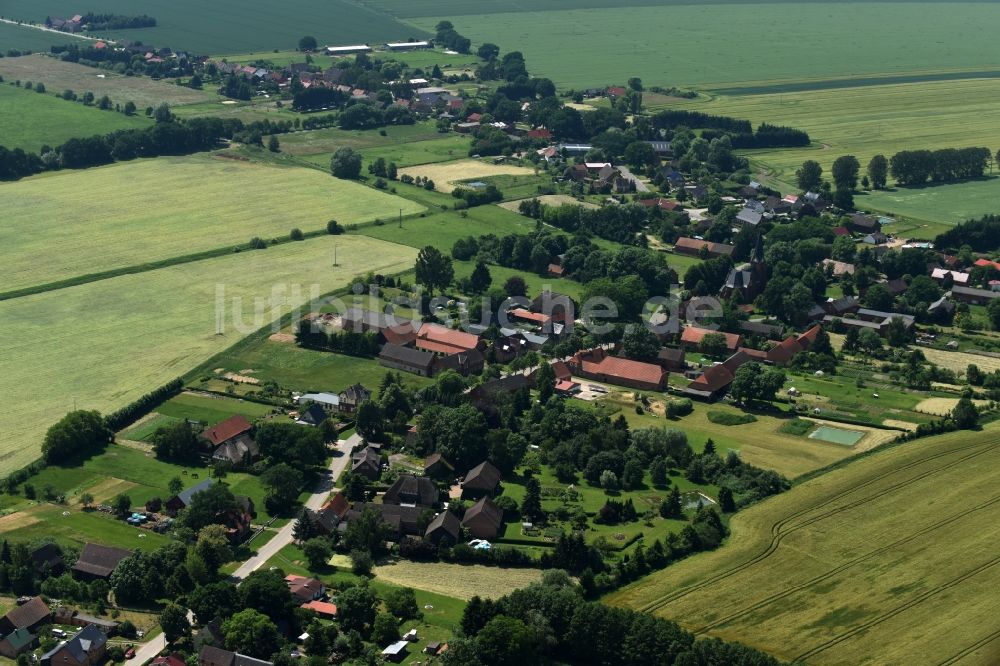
{"x":672,"y":507}
{"x":346,"y":163}
{"x":368,"y":532}
{"x":843,"y":199}
{"x":252,"y":633}
{"x":488,"y":51}
{"x":356,"y":608}
{"x":869,"y":342}
{"x":658,"y":472}
{"x":122,"y":505}
{"x":215,"y":600}
{"x":175,"y":485}
{"x":480,"y":279}
{"x":635,"y":83}
{"x":267,"y":592}
{"x":86,"y":499}
{"x":283,"y":484}
{"x":609,"y":480}
{"x":531,"y":505}
{"x":505,"y":641}
{"x":433,"y":269}
{"x":129,"y":109}
{"x":545,"y":382}
{"x":162,"y":113}
{"x":640,"y":343}
{"x":809,"y":176}
{"x":639,"y":154}
{"x":515,"y":286}
{"x":402,"y":602}
{"x":173,"y":620}
{"x":209,"y":506}
{"x":385,"y":629}
{"x":273,"y":145}
{"x":176,"y":442}
{"x":965,"y":415}
{"x":307,"y":43}
{"x":753,"y":382}
{"x":713,"y":344}
{"x":213,"y":546}
{"x":317,"y":551}
{"x":993,"y":311}
{"x":726,"y":501}
{"x":304,"y":528}
{"x":878,"y":171}
{"x":78,"y":433}
{"x":845,"y":172}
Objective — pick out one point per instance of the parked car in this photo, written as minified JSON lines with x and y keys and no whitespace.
{"x":129,"y":653}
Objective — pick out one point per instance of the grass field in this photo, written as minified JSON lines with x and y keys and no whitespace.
{"x":29,"y":39}
{"x":446,"y":174}
{"x":59,"y":76}
{"x":108,"y":342}
{"x":851,"y":567}
{"x":127,"y":214}
{"x":75,"y":527}
{"x":30,"y":120}
{"x":461,"y":581}
{"x":630,"y":39}
{"x":443,"y":229}
{"x":230,"y":26}
{"x":951,"y":203}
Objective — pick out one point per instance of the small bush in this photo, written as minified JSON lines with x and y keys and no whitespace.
{"x":796,"y":426}
{"x":730,"y":419}
{"x":296,"y":234}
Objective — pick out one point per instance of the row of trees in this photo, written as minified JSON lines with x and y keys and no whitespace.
{"x":916,"y":167}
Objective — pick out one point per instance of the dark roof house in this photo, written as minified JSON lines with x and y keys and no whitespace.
{"x":483,"y":479}
{"x":445,"y":525}
{"x":98,"y":561}
{"x":88,"y":646}
{"x":483,"y":519}
{"x":30,"y":616}
{"x":412,"y":491}
{"x":407,"y":359}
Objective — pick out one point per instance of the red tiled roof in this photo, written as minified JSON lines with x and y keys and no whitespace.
{"x":338,"y":504}
{"x":562,"y":370}
{"x":809,"y":337}
{"x":321,"y":607}
{"x":447,"y":336}
{"x":540,"y":133}
{"x":439,"y":347}
{"x":623,"y":368}
{"x":695,"y":245}
{"x":987,"y":262}
{"x":527,"y":315}
{"x":713,"y":379}
{"x":556,"y":269}
{"x":617,"y":91}
{"x":841,"y":231}
{"x":566,"y":385}
{"x":400,"y":335}
{"x":694,"y":335}
{"x":785,"y":350}
{"x":225,"y":431}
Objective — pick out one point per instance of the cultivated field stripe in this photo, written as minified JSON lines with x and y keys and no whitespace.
{"x":779,"y":533}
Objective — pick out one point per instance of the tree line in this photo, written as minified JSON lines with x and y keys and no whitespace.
{"x":982,"y":235}
{"x":741,"y":131}
{"x":916,"y":167}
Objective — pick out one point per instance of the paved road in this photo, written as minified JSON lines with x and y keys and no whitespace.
{"x":315,"y":501}
{"x":35,"y":26}
{"x":628,"y":175}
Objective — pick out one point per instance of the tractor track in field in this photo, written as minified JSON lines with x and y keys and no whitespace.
{"x":778,"y":533}
{"x":969,"y":649}
{"x":944,"y":522}
{"x":888,"y":615}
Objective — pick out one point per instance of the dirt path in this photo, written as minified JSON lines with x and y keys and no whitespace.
{"x":58,"y":32}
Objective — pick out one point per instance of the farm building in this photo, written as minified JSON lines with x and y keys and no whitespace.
{"x":367,"y":462}
{"x":481,"y":480}
{"x":445,"y":525}
{"x":303,"y":589}
{"x":407,"y":359}
{"x":29,"y":616}
{"x":412,"y":491}
{"x":692,"y":336}
{"x":213,"y":656}
{"x":436,"y":467}
{"x":233,"y":431}
{"x":324,"y":609}
{"x":467,"y":363}
{"x":98,"y":561}
{"x":17,"y":642}
{"x":328,"y":516}
{"x":407,"y":46}
{"x":596,"y":364}
{"x":483,"y":519}
{"x":973,"y":296}
{"x":347,"y":50}
{"x":692,"y":247}
{"x":439,"y":339}
{"x":182,"y":500}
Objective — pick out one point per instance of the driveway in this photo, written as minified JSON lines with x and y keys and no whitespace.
{"x":341,"y":458}
{"x":148,"y":651}
{"x":628,"y":175}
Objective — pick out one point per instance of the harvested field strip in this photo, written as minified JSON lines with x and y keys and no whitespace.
{"x":446,"y":174}
{"x":108,"y":488}
{"x":151,"y":210}
{"x":457,"y":580}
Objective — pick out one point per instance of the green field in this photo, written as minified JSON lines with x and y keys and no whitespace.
{"x":853,"y":566}
{"x":132,"y":213}
{"x":443,"y":229}
{"x":30,"y":120}
{"x":30,"y":39}
{"x":108,"y":342}
{"x":632,"y":41}
{"x":230,"y":26}
{"x":58,"y":76}
{"x":949,"y":203}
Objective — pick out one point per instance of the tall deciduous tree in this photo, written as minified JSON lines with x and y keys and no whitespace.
{"x":346,"y":163}
{"x":878,"y":171}
{"x":809,"y":176}
{"x":77,"y":433}
{"x":433,"y":269}
{"x":845,"y":172}
{"x":252,"y":633}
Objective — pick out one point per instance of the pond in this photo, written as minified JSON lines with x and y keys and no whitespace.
{"x":836,"y":435}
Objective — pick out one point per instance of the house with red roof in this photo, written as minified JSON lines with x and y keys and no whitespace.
{"x":692,"y":247}
{"x":692,"y":337}
{"x":598,"y":365}
{"x":227,"y":431}
{"x":987,"y":262}
{"x":540,"y":133}
{"x":439,"y":339}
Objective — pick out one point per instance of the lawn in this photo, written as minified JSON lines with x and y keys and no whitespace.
{"x":949,"y":204}
{"x":109,"y":342}
{"x":304,"y":370}
{"x":59,"y":76}
{"x":30,"y":120}
{"x":229,"y":26}
{"x":75,"y":528}
{"x":24,"y":38}
{"x":132,"y":213}
{"x":851,"y":567}
{"x":210,"y":409}
{"x":461,"y":581}
{"x":761,"y":443}
{"x":327,"y":140}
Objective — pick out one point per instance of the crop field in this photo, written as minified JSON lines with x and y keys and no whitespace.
{"x":30,"y":120}
{"x":59,"y":76}
{"x":949,"y":203}
{"x":330,"y":139}
{"x":111,"y":341}
{"x":630,"y":40}
{"x":461,"y":581}
{"x":443,"y":229}
{"x":853,"y":566}
{"x":132,"y":213}
{"x":24,"y":38}
{"x":231,"y":26}
{"x":446,"y":174}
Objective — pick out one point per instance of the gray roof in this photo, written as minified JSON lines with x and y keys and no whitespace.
{"x":748,"y":216}
{"x":406,"y":356}
{"x":186,"y":495}
{"x":85,"y":640}
{"x":322,"y":398}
